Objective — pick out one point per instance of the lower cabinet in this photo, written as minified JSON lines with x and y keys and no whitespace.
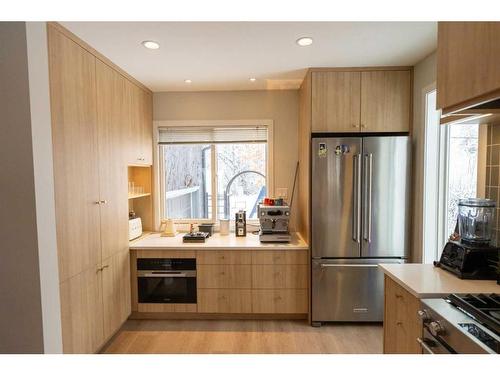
{"x":279,"y":301}
{"x":240,"y":282}
{"x":225,"y":301}
{"x":116,"y":292}
{"x":402,"y":326}
{"x":81,"y":312}
{"x":95,"y":303}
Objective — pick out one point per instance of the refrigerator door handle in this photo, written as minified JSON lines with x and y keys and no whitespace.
{"x":367,"y":230}
{"x":356,"y":216}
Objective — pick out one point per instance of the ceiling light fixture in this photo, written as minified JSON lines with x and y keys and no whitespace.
{"x":187,"y":81}
{"x":252,"y":79}
{"x":304,"y":41}
{"x":149,"y":44}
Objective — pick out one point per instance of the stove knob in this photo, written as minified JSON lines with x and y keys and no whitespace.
{"x":424,"y":315}
{"x":436,"y":328}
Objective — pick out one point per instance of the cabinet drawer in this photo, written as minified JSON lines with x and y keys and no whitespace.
{"x":224,"y":276}
{"x":223,"y":257}
{"x":279,"y":276}
{"x":291,"y":301}
{"x":279,"y":257}
{"x":224,"y":301}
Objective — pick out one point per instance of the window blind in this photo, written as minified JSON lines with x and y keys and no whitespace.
{"x":223,"y":134}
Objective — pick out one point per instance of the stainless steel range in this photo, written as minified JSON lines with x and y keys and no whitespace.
{"x":462,"y":324}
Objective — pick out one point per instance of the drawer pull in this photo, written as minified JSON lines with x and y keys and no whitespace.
{"x":399,"y":296}
{"x":399,"y":323}
{"x":222,"y":273}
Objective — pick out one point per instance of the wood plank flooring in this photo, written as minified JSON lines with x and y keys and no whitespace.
{"x":243,"y":336}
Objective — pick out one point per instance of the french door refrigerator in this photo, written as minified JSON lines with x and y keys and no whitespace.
{"x":360,"y":218}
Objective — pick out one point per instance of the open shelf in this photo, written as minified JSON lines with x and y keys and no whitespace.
{"x":133,"y":196}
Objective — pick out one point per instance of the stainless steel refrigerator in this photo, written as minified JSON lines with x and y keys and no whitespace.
{"x":360,"y":218}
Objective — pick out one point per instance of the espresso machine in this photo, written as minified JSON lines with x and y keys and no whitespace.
{"x":274,"y":222}
{"x":471,"y":253}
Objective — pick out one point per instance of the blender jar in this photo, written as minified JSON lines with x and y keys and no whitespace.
{"x":476,"y":218}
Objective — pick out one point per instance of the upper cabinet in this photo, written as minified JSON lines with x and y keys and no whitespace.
{"x":336,"y":101}
{"x":361,"y":101}
{"x":468,"y":57}
{"x":386,"y":101}
{"x":139,"y":125}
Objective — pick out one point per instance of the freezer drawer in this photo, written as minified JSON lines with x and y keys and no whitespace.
{"x":350,"y":290}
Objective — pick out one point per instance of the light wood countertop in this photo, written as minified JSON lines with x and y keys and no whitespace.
{"x":216,"y":242}
{"x":427,"y":281}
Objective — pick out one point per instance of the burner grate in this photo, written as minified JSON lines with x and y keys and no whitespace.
{"x":482,"y":307}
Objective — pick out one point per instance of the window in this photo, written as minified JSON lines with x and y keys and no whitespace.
{"x":450,"y":174}
{"x":209,"y":173}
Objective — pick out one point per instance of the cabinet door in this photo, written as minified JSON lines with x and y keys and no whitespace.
{"x":336,"y":101}
{"x":116,"y":292}
{"x":279,"y":301}
{"x":146,"y":105}
{"x":75,"y":147}
{"x":224,"y":276}
{"x":112,"y":167}
{"x":133,"y":123}
{"x":279,"y":276}
{"x":81,"y":312}
{"x":385,"y":101}
{"x":467,"y":62}
{"x":224,"y":301}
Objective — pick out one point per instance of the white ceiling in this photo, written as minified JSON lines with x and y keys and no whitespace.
{"x":224,"y":55}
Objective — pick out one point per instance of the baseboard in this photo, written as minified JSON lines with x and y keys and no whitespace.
{"x":215,"y":316}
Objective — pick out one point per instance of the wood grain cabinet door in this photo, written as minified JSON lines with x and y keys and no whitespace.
{"x":75,"y":148}
{"x":279,"y":276}
{"x":336,"y":102}
{"x":146,"y":108}
{"x":385,"y":101}
{"x":116,"y":292}
{"x":279,"y":301}
{"x":224,"y":301}
{"x":134,"y":121}
{"x":82,"y":312}
{"x":468,"y":56}
{"x":224,"y":276}
{"x":112,"y":167}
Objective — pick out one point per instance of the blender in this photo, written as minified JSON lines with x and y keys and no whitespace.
{"x":472,"y":254}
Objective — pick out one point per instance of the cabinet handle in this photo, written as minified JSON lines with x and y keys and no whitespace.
{"x":106,"y":266}
{"x":97,"y":202}
{"x":399,"y":296}
{"x":222,"y":273}
{"x":355,"y":126}
{"x":363,"y":126}
{"x":103,"y":202}
{"x":399,"y":323}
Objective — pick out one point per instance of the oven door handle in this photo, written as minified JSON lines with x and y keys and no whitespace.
{"x":424,"y":346}
{"x":162,"y":275}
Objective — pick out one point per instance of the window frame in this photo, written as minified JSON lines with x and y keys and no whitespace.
{"x":158,"y":164}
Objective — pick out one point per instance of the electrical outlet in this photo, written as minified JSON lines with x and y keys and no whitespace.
{"x":282,"y":193}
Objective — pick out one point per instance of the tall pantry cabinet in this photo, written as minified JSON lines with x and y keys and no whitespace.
{"x":91,"y":122}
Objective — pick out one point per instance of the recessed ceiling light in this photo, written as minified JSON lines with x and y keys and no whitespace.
{"x":187,"y":81}
{"x":304,"y":41}
{"x":149,"y":44}
{"x":252,"y":79}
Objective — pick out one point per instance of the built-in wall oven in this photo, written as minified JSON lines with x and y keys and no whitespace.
{"x":166,"y":280}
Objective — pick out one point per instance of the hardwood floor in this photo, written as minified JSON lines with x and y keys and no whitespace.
{"x":243,"y":336}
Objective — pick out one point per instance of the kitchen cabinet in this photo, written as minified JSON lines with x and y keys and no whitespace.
{"x":116,"y":291}
{"x":279,"y":301}
{"x":467,"y":64}
{"x":386,"y":101}
{"x":402,"y":325}
{"x":113,"y":175}
{"x":139,"y":125}
{"x":237,"y":282}
{"x":75,"y":148}
{"x":89,"y":109}
{"x":361,"y":101}
{"x":336,"y":101}
{"x":225,"y":301}
{"x":81,"y":311}
{"x":224,"y":276}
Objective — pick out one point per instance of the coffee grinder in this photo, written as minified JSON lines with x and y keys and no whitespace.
{"x":472,"y":252}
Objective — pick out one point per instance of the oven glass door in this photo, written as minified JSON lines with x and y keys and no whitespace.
{"x":431,"y":345}
{"x":154,"y":288}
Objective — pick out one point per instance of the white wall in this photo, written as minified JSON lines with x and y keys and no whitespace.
{"x":424,"y":75}
{"x":41,"y":131}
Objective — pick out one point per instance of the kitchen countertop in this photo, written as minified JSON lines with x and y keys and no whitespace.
{"x":427,"y":281}
{"x":217,"y":242}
